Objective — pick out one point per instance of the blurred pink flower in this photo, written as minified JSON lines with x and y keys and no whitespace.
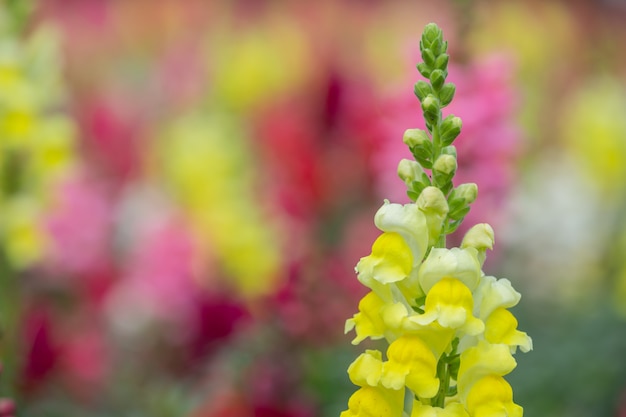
{"x":80,"y":226}
{"x":489,"y":143}
{"x":157,"y":284}
{"x":112,"y":125}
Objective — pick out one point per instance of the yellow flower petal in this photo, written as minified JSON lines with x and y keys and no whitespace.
{"x":451,"y":410}
{"x":450,"y":303}
{"x":366,"y":369}
{"x":461,"y":264}
{"x":492,"y":396}
{"x":390,"y":261}
{"x":501,"y":327}
{"x":482,"y":360}
{"x":375,"y":402}
{"x":493,"y":293}
{"x":368,"y":321}
{"x":411,"y":363}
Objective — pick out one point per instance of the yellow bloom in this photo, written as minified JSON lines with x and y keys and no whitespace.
{"x":368,"y":321}
{"x":461,"y":264}
{"x":375,"y":402}
{"x":501,"y":327}
{"x":451,"y":410}
{"x":493,"y":293}
{"x":207,"y":168}
{"x":482,"y":360}
{"x":36,"y":141}
{"x":258,"y":63}
{"x":366,"y":369}
{"x":450,"y":303}
{"x":390,"y":261}
{"x":23,"y":236}
{"x":408,"y":221}
{"x":492,"y":396}
{"x":411,"y":363}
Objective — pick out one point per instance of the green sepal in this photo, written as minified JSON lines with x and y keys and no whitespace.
{"x":446,"y":94}
{"x":452,"y":226}
{"x":449,"y":150}
{"x":459,"y":213}
{"x":418,"y":186}
{"x":455,"y":204}
{"x":422,"y":154}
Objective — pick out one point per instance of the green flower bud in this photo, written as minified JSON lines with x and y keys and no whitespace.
{"x":442,"y":62}
{"x":430,"y":106}
{"x":409,"y":171}
{"x":428,"y":57}
{"x":448,"y":150}
{"x":446,"y":94}
{"x":445,"y":164}
{"x":433,"y":204}
{"x":415,"y":137}
{"x":432,"y":199}
{"x":480,"y":237}
{"x":437,"y":79}
{"x":450,"y":129}
{"x":466,"y":193}
{"x":431,"y":33}
{"x":424,"y":69}
{"x":422,"y":89}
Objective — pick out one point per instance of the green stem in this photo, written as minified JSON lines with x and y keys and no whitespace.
{"x":443,"y":372}
{"x":9,"y":318}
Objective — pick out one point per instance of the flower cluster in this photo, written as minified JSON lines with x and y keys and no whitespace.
{"x":451,"y":336}
{"x":36,"y":140}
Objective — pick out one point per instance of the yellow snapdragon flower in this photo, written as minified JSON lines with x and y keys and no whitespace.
{"x":37,"y":141}
{"x":207,"y":168}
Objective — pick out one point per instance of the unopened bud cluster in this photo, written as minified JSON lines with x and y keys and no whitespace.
{"x":451,"y":336}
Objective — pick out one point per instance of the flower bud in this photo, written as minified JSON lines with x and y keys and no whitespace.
{"x":447,"y":94}
{"x":409,"y":171}
{"x":442,"y":62}
{"x":424,"y":69}
{"x":450,"y":129}
{"x":430,"y":106}
{"x":433,"y":204}
{"x":446,"y":164}
{"x":422,"y":88}
{"x":432,"y":199}
{"x":480,"y":237}
{"x":431,"y":33}
{"x":414,"y":137}
{"x":465,"y":192}
{"x":428,"y":57}
{"x":448,"y":150}
{"x":437,"y":78}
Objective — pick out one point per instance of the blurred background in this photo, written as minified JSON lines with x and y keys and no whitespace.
{"x":186,"y":187}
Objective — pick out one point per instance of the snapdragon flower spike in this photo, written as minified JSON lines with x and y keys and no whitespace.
{"x":451,"y":335}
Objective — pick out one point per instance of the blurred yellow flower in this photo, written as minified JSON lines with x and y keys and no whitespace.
{"x":208,"y":169}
